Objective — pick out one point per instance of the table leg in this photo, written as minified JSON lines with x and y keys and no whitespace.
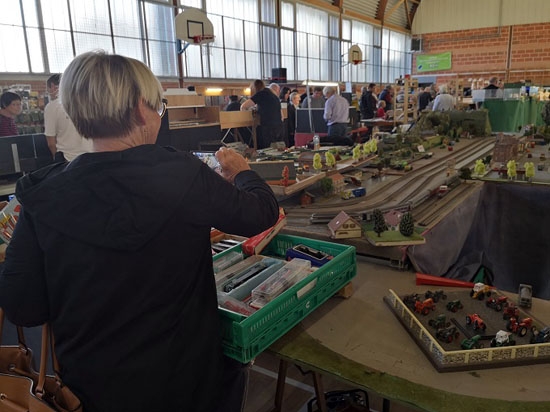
{"x":319,"y":392}
{"x":385,"y":405}
{"x":281,"y":378}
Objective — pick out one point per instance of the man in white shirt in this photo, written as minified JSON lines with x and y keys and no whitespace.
{"x":336,"y":115}
{"x":63,"y":140}
{"x":443,"y":101}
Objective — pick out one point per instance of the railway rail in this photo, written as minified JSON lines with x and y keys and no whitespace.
{"x":410,"y":190}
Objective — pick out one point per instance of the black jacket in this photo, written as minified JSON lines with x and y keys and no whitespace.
{"x":367,"y":104}
{"x":114,"y":250}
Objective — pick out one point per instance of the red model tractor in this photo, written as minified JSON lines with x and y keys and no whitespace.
{"x":425,"y":306}
{"x":474,"y":320}
{"x":519,"y":327}
{"x":510,"y":311}
{"x":497,"y":303}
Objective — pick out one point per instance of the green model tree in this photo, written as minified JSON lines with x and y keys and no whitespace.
{"x":326,"y":186}
{"x":529,"y":170}
{"x":317,"y":163}
{"x":379,"y":222}
{"x":406,"y":226}
{"x":330,"y":160}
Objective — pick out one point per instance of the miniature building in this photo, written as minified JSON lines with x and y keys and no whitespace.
{"x":506,"y":148}
{"x":344,"y":227}
{"x":338,"y":183}
{"x":393,"y":218}
{"x":306,"y":198}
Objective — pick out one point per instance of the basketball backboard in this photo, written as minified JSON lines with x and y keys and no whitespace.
{"x":355,"y":54}
{"x":194,"y":27}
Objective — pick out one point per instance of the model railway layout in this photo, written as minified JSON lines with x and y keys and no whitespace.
{"x":407,"y":192}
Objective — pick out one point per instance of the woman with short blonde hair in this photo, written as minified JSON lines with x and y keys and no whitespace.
{"x":113,"y":250}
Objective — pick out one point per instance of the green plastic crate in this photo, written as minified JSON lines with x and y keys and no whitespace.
{"x":246,"y":337}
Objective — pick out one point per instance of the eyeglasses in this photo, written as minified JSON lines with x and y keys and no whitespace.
{"x":162,"y":109}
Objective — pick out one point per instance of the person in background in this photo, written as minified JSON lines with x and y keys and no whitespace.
{"x":387,"y":96}
{"x":381,"y":109}
{"x":275,"y":88}
{"x":269,"y":109}
{"x":291,"y":116}
{"x":368,"y":102}
{"x":336,"y":115}
{"x":492,"y":90}
{"x":493,"y":84}
{"x":64,"y":141}
{"x":316,"y":100}
{"x":424,"y":99}
{"x":10,"y":108}
{"x":443,"y":101}
{"x":234,"y":104}
{"x":113,"y":250}
{"x":284,"y":94}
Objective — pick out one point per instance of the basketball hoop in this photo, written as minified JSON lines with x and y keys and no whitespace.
{"x":356,"y":62}
{"x":203,"y":38}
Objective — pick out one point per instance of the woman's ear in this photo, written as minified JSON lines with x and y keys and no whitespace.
{"x":141,"y":112}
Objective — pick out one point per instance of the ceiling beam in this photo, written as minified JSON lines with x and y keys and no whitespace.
{"x":381,"y":9}
{"x":409,"y":21}
{"x":338,"y":3}
{"x":414,"y":8}
{"x":394,"y":8}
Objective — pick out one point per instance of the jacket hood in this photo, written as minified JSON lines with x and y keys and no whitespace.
{"x":118,"y":200}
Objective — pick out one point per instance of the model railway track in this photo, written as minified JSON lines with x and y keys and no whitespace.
{"x":433,"y":210}
{"x":414,"y":184}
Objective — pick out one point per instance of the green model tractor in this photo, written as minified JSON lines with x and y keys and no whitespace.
{"x":472,"y":343}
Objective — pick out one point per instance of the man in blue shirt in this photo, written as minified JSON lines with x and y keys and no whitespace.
{"x":336,"y":115}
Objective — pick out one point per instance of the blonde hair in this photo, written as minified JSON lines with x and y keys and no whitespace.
{"x":381,"y":103}
{"x":100,"y":93}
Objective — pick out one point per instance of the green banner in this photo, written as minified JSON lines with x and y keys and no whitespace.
{"x":433,"y":62}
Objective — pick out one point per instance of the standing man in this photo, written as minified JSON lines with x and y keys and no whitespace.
{"x":443,"y":101}
{"x":424,"y":99}
{"x":316,"y":100}
{"x":336,"y":115}
{"x":63,"y":140}
{"x":387,"y":96}
{"x":368,"y":102}
{"x":234,"y":105}
{"x":269,"y":110}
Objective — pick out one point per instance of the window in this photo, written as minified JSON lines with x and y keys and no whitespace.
{"x":287,"y":15}
{"x":252,"y":38}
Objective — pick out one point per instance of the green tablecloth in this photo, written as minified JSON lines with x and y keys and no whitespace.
{"x":511,"y":115}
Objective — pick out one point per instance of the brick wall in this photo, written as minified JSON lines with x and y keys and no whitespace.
{"x":511,"y":53}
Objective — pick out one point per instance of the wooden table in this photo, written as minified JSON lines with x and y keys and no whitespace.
{"x":359,"y":341}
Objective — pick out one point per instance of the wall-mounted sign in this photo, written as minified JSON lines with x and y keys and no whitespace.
{"x":433,"y":62}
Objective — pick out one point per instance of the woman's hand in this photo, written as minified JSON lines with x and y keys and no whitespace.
{"x":231,"y":163}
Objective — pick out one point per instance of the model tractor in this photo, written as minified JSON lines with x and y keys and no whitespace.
{"x":438,"y":294}
{"x":447,"y":334}
{"x":502,"y":338}
{"x":510,"y":311}
{"x":519,"y":327}
{"x":472,"y":343}
{"x":541,"y":336}
{"x":410,"y":300}
{"x":480,"y":291}
{"x":497,"y":303}
{"x":455,"y":305}
{"x":425,"y":306}
{"x":475,"y":320}
{"x":439,"y":322}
